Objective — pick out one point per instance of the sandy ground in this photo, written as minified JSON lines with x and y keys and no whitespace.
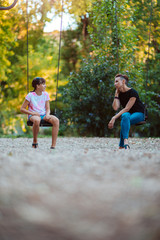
{"x":85,"y":189}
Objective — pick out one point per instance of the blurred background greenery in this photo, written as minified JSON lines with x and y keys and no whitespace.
{"x":109,"y":37}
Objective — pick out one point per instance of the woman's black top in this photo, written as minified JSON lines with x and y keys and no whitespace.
{"x":124,"y":98}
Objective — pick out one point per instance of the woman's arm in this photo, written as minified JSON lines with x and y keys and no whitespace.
{"x":24,"y":110}
{"x":116,"y":101}
{"x":128,"y":106}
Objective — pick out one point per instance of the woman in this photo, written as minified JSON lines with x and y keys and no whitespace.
{"x":132,"y":112}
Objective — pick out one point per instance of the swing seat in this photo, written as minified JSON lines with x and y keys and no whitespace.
{"x":145,"y":120}
{"x":140,"y":123}
{"x":43,"y":123}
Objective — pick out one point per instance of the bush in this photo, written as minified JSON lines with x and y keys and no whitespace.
{"x":89,"y":95}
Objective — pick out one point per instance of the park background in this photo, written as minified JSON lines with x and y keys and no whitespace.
{"x":104,"y":38}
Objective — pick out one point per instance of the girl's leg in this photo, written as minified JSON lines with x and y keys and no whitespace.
{"x":125,"y":127}
{"x":55,"y":122}
{"x":55,"y":130}
{"x":36,"y":122}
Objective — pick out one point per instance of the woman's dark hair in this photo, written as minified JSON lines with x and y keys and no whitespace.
{"x":123,"y":77}
{"x":37,"y":81}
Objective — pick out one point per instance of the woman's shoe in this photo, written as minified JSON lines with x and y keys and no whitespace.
{"x":121,"y":147}
{"x":126,"y":146}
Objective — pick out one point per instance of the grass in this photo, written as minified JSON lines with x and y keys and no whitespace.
{"x":23,"y":136}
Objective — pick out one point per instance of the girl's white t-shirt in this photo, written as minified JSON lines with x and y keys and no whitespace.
{"x":37,"y":103}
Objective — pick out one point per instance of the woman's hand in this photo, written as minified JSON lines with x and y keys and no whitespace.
{"x":117,"y":92}
{"x":111,"y":123}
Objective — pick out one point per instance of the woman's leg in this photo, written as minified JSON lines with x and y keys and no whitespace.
{"x":125,"y":127}
{"x":121,"y":143}
{"x":128,"y":119}
{"x":137,"y":117}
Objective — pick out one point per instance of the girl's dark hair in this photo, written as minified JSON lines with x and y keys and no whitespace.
{"x":37,"y":81}
{"x":122,"y":77}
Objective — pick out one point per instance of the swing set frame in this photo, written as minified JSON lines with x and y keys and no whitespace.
{"x":9,"y":7}
{"x":43,"y":123}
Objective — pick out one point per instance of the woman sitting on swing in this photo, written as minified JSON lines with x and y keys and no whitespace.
{"x":132,"y":112}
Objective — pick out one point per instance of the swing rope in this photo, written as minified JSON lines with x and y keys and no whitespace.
{"x":117,"y":42}
{"x":147,"y":69}
{"x":44,"y":123}
{"x":149,"y":41}
{"x":59,"y":54}
{"x":27,"y":48}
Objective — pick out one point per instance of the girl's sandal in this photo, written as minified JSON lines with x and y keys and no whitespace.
{"x":34,"y":145}
{"x":52,"y":147}
{"x":126,"y":146}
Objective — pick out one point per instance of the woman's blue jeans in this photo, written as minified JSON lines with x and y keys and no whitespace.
{"x":128,"y":119}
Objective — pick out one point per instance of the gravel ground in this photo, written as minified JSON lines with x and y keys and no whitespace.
{"x":85,"y":189}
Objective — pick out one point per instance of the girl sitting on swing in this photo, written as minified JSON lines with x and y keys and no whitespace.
{"x":38,"y":109}
{"x":132,"y":112}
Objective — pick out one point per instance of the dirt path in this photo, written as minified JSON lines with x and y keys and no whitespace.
{"x":86,"y":189}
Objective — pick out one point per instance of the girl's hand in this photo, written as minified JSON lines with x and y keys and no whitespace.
{"x":111,"y":123}
{"x":47,"y":117}
{"x":35,"y":114}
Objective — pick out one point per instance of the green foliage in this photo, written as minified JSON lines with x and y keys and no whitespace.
{"x":121,"y":30}
{"x":89,"y":95}
{"x":70,"y":51}
{"x":116,"y":36}
{"x":43,"y":55}
{"x":6,"y":43}
{"x":76,"y":8}
{"x":74,"y":49}
{"x":112,"y":32}
{"x":153,"y":95}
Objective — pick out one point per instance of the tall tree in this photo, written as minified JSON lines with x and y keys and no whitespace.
{"x":13,"y":54}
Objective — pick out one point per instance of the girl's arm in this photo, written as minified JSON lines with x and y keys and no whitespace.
{"x":47,"y":108}
{"x":128,"y":106}
{"x":24,"y":110}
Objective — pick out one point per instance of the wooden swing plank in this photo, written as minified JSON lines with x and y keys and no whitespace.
{"x":43,"y":123}
{"x":140,"y":123}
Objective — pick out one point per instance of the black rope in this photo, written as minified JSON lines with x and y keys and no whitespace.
{"x":147,"y":74}
{"x":116,"y":21}
{"x":149,"y":36}
{"x":9,"y":7}
{"x":27,"y":48}
{"x":59,"y":54}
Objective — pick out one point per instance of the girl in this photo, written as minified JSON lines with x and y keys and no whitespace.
{"x":132,"y":112}
{"x":39,"y":108}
